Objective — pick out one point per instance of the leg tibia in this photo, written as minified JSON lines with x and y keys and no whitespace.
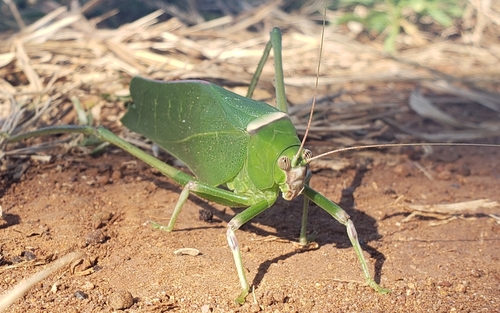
{"x":235,"y":249}
{"x":303,"y":228}
{"x":178,"y":207}
{"x":232,"y":226}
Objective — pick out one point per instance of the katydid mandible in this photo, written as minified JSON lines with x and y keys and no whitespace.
{"x":247,"y":146}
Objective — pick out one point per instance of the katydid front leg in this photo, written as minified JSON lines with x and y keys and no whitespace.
{"x":305,"y":213}
{"x":234,"y":224}
{"x":342,"y":217}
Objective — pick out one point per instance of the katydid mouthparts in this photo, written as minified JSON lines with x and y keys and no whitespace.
{"x":249,"y":148}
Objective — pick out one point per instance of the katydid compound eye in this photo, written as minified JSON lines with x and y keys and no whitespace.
{"x":284,"y":163}
{"x":307,"y":155}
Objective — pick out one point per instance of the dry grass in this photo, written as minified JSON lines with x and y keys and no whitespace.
{"x":63,"y":58}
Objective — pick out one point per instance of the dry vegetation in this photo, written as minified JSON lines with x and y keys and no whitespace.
{"x":63,"y":61}
{"x":63,"y":58}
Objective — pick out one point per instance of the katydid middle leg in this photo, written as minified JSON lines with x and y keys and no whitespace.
{"x":215,"y":194}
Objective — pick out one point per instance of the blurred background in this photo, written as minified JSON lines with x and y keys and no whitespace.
{"x":391,"y":69}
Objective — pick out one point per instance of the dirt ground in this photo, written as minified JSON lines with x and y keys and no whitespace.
{"x":102,"y":206}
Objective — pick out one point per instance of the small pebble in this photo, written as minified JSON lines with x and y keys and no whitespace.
{"x":54,"y":288}
{"x":206,"y":309}
{"x":254,"y":308}
{"x":206,"y":216}
{"x":151,"y":187}
{"x":460,"y":288}
{"x":121,"y":300}
{"x":444,"y":284}
{"x":187,"y":251}
{"x":444,"y":175}
{"x":80,"y":295}
{"x":154,"y":171}
{"x":116,"y":175}
{"x":464,"y":170}
{"x":102,"y":179}
{"x":95,"y":237}
{"x":101,"y":218}
{"x":81,"y":266}
{"x":16,"y":259}
{"x":414,"y":153}
{"x":28,"y":255}
{"x":279,"y":297}
{"x":88,"y":285}
{"x":476,"y":273}
{"x":267,"y":298}
{"x":104,"y":168}
{"x":447,"y":157}
{"x":92,"y":172}
{"x":401,"y":170}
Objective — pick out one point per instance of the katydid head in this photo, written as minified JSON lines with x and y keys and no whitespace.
{"x":293,"y":171}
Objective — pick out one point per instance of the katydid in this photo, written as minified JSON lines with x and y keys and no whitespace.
{"x":248,"y":147}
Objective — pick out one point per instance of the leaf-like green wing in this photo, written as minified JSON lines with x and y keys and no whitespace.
{"x":200,"y":123}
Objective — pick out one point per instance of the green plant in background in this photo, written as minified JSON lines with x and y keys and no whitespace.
{"x":393,"y":16}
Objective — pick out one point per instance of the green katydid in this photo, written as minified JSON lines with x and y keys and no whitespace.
{"x":247,"y":146}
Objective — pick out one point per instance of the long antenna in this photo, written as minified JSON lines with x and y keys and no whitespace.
{"x":387,"y":145}
{"x":316,"y":84}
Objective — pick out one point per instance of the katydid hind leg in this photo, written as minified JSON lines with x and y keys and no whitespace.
{"x":342,"y":217}
{"x":215,"y":194}
{"x":105,"y":135}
